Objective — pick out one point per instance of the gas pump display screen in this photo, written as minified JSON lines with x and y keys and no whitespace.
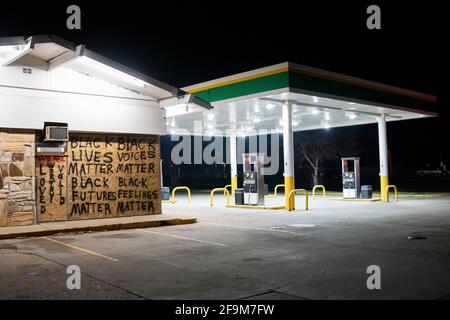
{"x":250,"y":182}
{"x":349,"y":180}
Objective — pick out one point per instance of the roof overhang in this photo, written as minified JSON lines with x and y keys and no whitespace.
{"x":56,"y":52}
{"x":250,"y":103}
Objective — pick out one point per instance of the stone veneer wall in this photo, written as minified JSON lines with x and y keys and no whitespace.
{"x":17,"y":195}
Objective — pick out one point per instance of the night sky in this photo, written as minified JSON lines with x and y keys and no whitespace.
{"x":187,"y":43}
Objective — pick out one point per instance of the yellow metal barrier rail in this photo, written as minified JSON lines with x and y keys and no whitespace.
{"x":324,"y":192}
{"x":228,"y":186}
{"x":292,"y":193}
{"x":180,"y":188}
{"x":391,"y":186}
{"x":275,"y":191}
{"x":225,"y":192}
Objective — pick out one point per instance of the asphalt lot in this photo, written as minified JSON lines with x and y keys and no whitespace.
{"x":246,"y":254}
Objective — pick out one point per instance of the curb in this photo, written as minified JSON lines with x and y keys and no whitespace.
{"x":97,"y":228}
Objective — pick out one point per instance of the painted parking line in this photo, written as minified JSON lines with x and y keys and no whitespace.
{"x":251,"y":228}
{"x":184,"y":238}
{"x":80,"y":249}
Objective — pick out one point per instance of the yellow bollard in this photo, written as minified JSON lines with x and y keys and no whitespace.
{"x":291,"y":198}
{"x":180,"y":188}
{"x":231,"y":189}
{"x":391,"y":186}
{"x":225,"y":192}
{"x":324,"y":192}
{"x":275,"y":191}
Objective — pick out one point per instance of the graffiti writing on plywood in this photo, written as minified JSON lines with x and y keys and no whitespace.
{"x":51,"y":188}
{"x":113,"y":176}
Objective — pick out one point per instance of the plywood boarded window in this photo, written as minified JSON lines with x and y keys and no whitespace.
{"x":51,"y":188}
{"x":103,"y":176}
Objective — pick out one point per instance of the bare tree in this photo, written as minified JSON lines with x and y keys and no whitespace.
{"x":316,"y":147}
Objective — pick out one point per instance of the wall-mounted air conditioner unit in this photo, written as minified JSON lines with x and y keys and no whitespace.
{"x":55,"y":131}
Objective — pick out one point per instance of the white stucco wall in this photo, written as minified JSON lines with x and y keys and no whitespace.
{"x":85,"y":103}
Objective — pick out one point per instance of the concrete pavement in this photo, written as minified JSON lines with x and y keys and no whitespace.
{"x":246,"y":254}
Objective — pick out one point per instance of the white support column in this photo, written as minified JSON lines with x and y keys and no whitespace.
{"x":384,"y":169}
{"x":233,"y":162}
{"x":288,"y":151}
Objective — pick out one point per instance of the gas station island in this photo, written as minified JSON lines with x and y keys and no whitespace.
{"x":288,"y":97}
{"x":80,"y":134}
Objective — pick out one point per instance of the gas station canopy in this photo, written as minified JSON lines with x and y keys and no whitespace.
{"x":251,"y":101}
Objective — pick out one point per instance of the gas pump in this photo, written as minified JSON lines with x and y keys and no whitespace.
{"x":350,"y":178}
{"x":253,"y":179}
